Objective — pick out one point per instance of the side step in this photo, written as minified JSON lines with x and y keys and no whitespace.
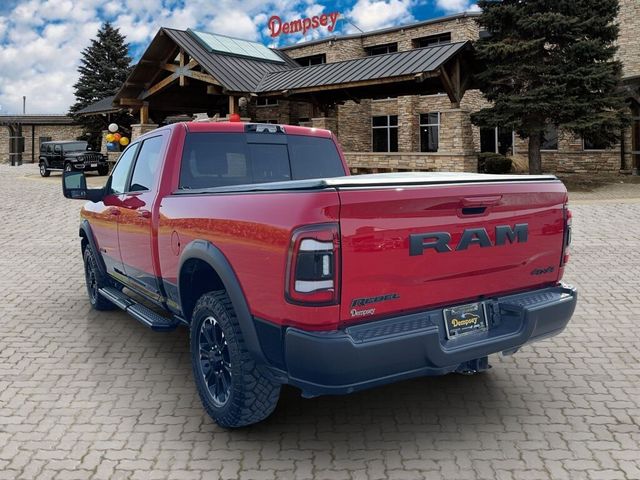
{"x":144,"y":315}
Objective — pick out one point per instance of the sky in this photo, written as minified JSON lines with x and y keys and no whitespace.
{"x":41,"y":40}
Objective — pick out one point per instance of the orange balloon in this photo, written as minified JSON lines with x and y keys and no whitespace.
{"x":117,"y":137}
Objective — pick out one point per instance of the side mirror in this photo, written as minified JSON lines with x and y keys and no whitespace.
{"x":74,"y":186}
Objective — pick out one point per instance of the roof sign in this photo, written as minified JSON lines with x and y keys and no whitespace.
{"x":235,"y":46}
{"x":302,"y":25}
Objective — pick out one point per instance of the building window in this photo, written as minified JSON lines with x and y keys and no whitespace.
{"x":429,"y":131}
{"x":432,"y":40}
{"x":266,"y":102}
{"x":312,"y":60}
{"x":550,"y":138}
{"x":385,"y":133}
{"x":382,"y":49}
{"x":593,"y":144}
{"x":496,"y":140}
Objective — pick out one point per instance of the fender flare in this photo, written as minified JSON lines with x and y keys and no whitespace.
{"x":213,"y":256}
{"x":45,"y":161}
{"x":85,"y":231}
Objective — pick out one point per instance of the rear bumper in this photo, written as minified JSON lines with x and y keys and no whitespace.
{"x":385,"y":351}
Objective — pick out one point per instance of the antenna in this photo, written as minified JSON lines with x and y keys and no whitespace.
{"x":349,"y":21}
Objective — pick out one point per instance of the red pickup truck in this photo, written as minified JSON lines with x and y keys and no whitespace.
{"x":287,"y":270}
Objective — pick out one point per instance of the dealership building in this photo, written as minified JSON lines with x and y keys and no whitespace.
{"x":397,"y":99}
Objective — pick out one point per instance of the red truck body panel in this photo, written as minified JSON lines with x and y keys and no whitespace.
{"x":376,"y":226}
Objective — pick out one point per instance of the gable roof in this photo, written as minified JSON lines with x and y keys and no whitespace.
{"x":36,"y":119}
{"x":388,"y":66}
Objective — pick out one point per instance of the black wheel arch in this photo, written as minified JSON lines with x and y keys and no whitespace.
{"x":88,"y":241}
{"x":205,"y":251}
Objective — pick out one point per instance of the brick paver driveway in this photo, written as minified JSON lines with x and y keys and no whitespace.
{"x":86,"y":394}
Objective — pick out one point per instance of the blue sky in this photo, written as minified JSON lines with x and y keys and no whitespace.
{"x":41,"y":40}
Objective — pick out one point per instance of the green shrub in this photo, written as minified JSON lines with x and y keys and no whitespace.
{"x":489,"y":162}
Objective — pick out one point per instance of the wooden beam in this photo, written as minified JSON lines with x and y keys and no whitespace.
{"x":181,"y":59}
{"x":144,"y":113}
{"x":203,"y":77}
{"x":130,"y":102}
{"x":234,"y":106}
{"x":449,"y":88}
{"x":159,"y":86}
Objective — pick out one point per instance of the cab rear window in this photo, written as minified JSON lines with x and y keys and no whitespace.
{"x":222,"y":159}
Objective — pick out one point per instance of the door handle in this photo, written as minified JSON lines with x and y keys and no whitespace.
{"x":144,"y":213}
{"x":481,"y":201}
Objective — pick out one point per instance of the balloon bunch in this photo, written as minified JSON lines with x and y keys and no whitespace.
{"x":114,"y":138}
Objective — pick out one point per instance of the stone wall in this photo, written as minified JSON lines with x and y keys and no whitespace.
{"x":629,"y":37}
{"x":56,"y":132}
{"x":374,"y":162}
{"x":571,"y":157}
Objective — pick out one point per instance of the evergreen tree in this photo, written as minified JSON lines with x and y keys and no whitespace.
{"x":104,"y":67}
{"x":551,"y":62}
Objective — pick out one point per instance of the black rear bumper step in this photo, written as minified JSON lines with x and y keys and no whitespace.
{"x":144,"y":315}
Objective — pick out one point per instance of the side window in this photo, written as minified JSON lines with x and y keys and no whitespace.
{"x":120,"y":172}
{"x":147,"y":164}
{"x":57,"y":149}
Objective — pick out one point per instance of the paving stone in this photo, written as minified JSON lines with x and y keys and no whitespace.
{"x":87,"y":394}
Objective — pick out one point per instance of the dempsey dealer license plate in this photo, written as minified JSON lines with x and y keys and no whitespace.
{"x":465,"y":319}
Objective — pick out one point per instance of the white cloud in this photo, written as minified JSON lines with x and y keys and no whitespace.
{"x":374,"y":14}
{"x":456,"y":6}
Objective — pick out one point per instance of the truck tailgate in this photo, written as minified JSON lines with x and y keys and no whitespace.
{"x":411,"y":247}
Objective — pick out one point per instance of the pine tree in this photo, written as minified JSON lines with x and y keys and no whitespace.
{"x":551,"y":62}
{"x":104,"y":67}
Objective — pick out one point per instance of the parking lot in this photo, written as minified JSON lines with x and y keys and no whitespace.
{"x":87,"y":394}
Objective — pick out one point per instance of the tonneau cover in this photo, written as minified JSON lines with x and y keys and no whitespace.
{"x":374,"y":180}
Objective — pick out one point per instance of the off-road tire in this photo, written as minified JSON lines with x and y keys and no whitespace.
{"x":95,"y":281}
{"x":252,"y":397}
{"x":68,"y":167}
{"x":44,"y":172}
{"x":102,"y":171}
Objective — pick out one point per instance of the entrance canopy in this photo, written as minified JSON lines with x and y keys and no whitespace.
{"x":185,"y":71}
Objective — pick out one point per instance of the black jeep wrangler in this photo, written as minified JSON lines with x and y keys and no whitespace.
{"x":70,"y":155}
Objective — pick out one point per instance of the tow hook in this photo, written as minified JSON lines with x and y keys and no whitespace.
{"x":472,"y":367}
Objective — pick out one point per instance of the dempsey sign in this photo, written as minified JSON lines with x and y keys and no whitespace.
{"x":302,"y":25}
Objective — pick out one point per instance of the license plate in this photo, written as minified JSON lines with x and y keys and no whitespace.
{"x":93,"y":165}
{"x":465,"y":319}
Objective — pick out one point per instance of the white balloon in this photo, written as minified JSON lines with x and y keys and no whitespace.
{"x":113,"y":128}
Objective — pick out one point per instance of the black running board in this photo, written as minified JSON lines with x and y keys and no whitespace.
{"x":144,"y":315}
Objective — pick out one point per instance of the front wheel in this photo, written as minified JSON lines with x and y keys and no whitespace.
{"x":233,"y":391}
{"x":103,"y":170}
{"x":43,"y":170}
{"x":95,"y":281}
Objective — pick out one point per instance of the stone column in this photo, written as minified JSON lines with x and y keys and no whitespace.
{"x":103,"y":142}
{"x":139,"y":129}
{"x":408,"y":124}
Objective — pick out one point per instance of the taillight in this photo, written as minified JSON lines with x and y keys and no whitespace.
{"x":313,"y":268}
{"x":567,"y":235}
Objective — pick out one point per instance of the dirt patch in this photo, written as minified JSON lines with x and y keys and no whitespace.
{"x":590,"y":182}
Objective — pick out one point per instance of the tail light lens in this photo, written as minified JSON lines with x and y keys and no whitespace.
{"x":567,"y":235}
{"x":313,"y":269}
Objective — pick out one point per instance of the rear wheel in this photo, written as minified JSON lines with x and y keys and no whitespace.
{"x":233,"y":391}
{"x":43,"y":170}
{"x":95,"y":281}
